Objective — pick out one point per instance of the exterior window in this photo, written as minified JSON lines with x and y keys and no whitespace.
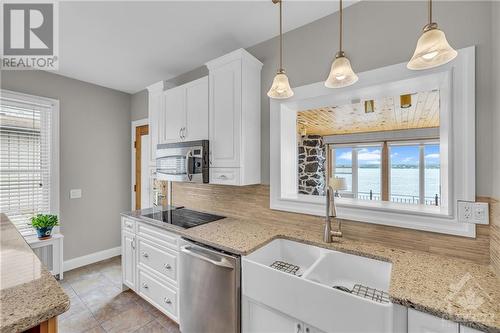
{"x":343,"y":167}
{"x":369,"y":173}
{"x":415,"y":173}
{"x":412,"y":169}
{"x":404,"y":173}
{"x":432,"y":175}
{"x":27,"y":143}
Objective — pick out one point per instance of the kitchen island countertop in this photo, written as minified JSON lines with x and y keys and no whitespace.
{"x":29,"y":294}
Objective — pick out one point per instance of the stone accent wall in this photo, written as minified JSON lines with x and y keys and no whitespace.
{"x":312,"y":156}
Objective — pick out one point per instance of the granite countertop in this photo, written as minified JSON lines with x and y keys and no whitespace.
{"x":455,"y":289}
{"x":29,"y":294}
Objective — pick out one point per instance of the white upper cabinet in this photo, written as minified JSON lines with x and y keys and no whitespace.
{"x":155,"y":116}
{"x":196,"y":110}
{"x":175,"y":115}
{"x":234,"y":119}
{"x":186,"y":112}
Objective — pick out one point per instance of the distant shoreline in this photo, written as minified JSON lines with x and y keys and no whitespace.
{"x":399,"y":166}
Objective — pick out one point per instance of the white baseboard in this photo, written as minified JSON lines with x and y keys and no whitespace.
{"x":91,"y":258}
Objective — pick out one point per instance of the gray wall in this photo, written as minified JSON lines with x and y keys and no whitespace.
{"x":373,"y":41}
{"x":139,"y":105}
{"x":495,"y":14}
{"x":94,"y":156}
{"x":139,"y":101}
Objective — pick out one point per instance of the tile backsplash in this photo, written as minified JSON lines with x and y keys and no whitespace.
{"x":252,"y":202}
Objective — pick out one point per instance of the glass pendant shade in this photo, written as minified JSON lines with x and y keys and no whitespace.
{"x":281,"y":87}
{"x":432,"y":49}
{"x":341,"y":73}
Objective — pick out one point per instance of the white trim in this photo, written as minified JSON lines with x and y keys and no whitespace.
{"x":456,"y":81}
{"x":134,"y":125}
{"x":92,"y":258}
{"x":55,"y":144}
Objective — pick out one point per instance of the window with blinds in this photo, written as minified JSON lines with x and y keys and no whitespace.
{"x":25,"y":160}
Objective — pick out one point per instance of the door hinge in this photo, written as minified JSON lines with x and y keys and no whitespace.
{"x":135,"y":188}
{"x":135,"y":144}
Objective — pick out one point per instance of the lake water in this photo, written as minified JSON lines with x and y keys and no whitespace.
{"x":403,"y":182}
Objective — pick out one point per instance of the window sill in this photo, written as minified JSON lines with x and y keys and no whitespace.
{"x":426,"y":210}
{"x":426,"y":218}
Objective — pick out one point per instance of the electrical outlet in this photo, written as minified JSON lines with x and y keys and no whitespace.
{"x":473,"y":212}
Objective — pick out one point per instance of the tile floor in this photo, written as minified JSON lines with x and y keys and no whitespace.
{"x":98,"y":304}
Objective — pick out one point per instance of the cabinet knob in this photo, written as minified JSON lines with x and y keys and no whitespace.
{"x":145,"y":254}
{"x":167,"y":300}
{"x":167,"y":266}
{"x":145,"y":285}
{"x":299,"y":328}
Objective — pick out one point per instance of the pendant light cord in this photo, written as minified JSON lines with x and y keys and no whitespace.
{"x":430,"y":11}
{"x":341,"y":24}
{"x":281,"y":38}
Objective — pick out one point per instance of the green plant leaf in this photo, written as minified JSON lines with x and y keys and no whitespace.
{"x":44,"y":221}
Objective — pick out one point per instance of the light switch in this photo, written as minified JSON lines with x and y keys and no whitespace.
{"x":75,"y":193}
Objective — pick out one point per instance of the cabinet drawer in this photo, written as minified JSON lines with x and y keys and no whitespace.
{"x":128,"y":224}
{"x":162,"y":260}
{"x":225,"y":176}
{"x":161,"y":295}
{"x":158,"y":235}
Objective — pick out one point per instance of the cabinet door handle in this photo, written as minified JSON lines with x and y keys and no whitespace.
{"x":132,"y":243}
{"x":145,"y":285}
{"x":184,"y":133}
{"x":222,"y":177}
{"x":180,"y":133}
{"x":167,"y":300}
{"x":210,"y":157}
{"x":167,"y":266}
{"x":307,"y":330}
{"x":145,"y":254}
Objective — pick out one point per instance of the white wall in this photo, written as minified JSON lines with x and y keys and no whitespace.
{"x":94,"y":156}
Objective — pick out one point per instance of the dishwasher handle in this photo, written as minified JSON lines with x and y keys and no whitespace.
{"x":206,"y":256}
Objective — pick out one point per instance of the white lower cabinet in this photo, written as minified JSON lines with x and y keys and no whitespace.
{"x":258,"y":318}
{"x":150,"y":258}
{"x":419,"y":322}
{"x":128,"y":259}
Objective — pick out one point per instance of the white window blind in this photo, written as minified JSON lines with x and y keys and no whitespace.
{"x":25,"y":160}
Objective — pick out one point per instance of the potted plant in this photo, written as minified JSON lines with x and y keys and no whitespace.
{"x":43,"y":223}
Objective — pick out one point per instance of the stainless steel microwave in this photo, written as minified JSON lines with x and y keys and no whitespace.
{"x":183,"y":161}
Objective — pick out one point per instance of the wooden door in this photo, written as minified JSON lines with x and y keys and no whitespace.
{"x":141,"y":162}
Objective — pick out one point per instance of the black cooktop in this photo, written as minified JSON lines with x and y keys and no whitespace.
{"x":183,"y":217}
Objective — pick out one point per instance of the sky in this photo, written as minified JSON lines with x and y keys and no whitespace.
{"x":400,"y":155}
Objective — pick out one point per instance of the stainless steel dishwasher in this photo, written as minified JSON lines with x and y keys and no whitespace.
{"x":209,"y":282}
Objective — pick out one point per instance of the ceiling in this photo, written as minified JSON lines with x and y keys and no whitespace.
{"x":129,"y":45}
{"x":388,"y":116}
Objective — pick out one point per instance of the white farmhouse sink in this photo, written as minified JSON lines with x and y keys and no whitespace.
{"x":294,"y":253}
{"x":346,"y":270}
{"x":310,"y":296}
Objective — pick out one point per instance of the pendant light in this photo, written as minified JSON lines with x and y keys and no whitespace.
{"x":341,"y":73}
{"x":432,"y":47}
{"x":280,"y":88}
